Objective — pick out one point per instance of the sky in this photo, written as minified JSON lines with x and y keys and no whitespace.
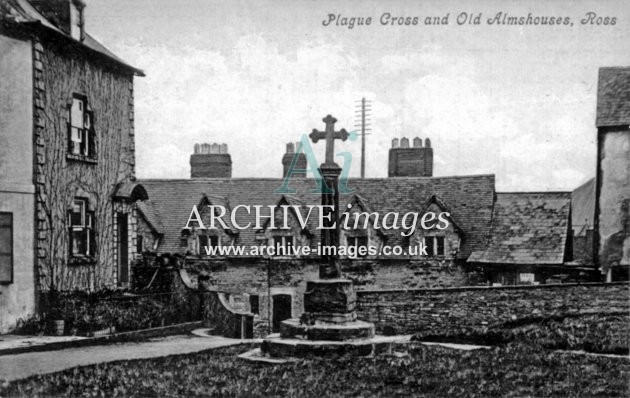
{"x":514,"y":101}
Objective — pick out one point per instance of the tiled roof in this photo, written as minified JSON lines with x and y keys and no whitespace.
{"x":22,"y":12}
{"x":583,"y":207}
{"x":151,"y":215}
{"x":469,"y":197}
{"x":613,"y":97}
{"x":528,"y":228}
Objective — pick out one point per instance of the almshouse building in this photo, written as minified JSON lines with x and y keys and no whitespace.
{"x":491,"y":239}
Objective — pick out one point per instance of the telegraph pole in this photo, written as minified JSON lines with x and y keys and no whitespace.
{"x":363,"y":114}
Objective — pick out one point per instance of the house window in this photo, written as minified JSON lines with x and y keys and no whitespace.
{"x":254,"y":304}
{"x":82,"y":242}
{"x":283,"y":244}
{"x":80,"y":131}
{"x":434,"y":245}
{"x":207,"y":240}
{"x":139,"y":244}
{"x":6,"y":247}
{"x":357,"y":241}
{"x":527,"y":278}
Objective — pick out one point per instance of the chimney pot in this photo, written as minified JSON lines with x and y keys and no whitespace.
{"x":395,"y":143}
{"x":410,"y":162}
{"x":210,"y":161}
{"x":427,"y":143}
{"x":287,"y":160}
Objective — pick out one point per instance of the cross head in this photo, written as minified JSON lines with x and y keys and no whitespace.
{"x":330,"y":135}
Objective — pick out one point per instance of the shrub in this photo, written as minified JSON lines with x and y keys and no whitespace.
{"x":86,"y":313}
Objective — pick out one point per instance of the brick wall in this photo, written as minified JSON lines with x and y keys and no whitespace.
{"x":412,"y":311}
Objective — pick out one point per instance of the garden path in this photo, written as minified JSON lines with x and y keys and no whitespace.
{"x":19,"y":366}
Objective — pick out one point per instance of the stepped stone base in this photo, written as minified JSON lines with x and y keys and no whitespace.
{"x":328,"y":327}
{"x":293,"y":329}
{"x":277,"y":347}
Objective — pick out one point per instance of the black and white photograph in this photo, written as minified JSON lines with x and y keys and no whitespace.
{"x":314,"y":198}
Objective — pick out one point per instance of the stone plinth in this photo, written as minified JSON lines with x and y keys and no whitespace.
{"x":293,"y":329}
{"x":277,"y":347}
{"x":330,"y":300}
{"x":328,"y":327}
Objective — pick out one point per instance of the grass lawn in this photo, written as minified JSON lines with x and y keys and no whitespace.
{"x":510,"y":370}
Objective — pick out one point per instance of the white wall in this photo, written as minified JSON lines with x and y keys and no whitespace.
{"x":17,"y":300}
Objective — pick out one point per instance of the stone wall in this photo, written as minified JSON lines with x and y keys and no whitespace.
{"x":59,"y":73}
{"x":613,"y":199}
{"x":225,"y":321}
{"x":412,"y":311}
{"x":243,"y":277}
{"x":404,"y":274}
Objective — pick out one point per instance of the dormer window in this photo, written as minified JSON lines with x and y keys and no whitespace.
{"x":434,"y":245}
{"x":357,"y":241}
{"x":283,"y":244}
{"x":204,"y":241}
{"x":76,"y":19}
{"x":80,"y":129}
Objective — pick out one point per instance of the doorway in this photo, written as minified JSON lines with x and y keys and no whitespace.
{"x":281,"y":310}
{"x":123,"y":248}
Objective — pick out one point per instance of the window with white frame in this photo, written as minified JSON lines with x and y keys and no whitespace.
{"x":82,"y":242}
{"x":81,"y":134}
{"x":434,"y":245}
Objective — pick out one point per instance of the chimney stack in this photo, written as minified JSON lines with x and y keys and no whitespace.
{"x":405,"y":161}
{"x":288,"y":158}
{"x":211,"y":161}
{"x":66,"y":14}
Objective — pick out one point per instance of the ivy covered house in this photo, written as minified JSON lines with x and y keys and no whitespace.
{"x":67,"y":191}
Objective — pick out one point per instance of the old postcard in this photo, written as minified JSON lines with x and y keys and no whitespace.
{"x":314,"y":198}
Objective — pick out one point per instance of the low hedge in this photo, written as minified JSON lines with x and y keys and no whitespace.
{"x":88,"y":313}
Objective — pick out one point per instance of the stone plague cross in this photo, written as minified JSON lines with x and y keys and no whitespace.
{"x":330,"y":267}
{"x":330,"y":135}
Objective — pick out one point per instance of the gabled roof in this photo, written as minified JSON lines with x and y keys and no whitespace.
{"x":434,"y":199}
{"x":152,"y":217}
{"x":216,"y":200}
{"x":295,"y":202}
{"x":21,"y":12}
{"x":528,"y":228}
{"x":470,"y":198}
{"x":363,"y":203}
{"x":613,"y":97}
